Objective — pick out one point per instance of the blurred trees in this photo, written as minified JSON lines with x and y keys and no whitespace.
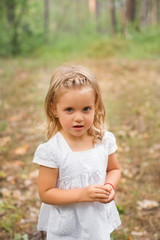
{"x":113,"y":21}
{"x":46,"y":20}
{"x":12,"y":13}
{"x":130,"y":10}
{"x":26,"y":25}
{"x":150,"y":12}
{"x":155,"y":12}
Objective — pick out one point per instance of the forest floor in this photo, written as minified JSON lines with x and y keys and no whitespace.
{"x":131,"y":91}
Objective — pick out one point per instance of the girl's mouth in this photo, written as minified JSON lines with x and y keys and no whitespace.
{"x":78,"y":126}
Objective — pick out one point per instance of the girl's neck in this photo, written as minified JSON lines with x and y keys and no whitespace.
{"x":78,"y":143}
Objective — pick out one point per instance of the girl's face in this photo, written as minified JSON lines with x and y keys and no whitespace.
{"x":75,"y":111}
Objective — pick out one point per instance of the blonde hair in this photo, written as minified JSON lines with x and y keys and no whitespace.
{"x":66,"y":77}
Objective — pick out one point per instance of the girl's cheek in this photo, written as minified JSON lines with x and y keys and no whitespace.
{"x":67,"y":122}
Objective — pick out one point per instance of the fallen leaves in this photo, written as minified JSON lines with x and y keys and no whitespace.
{"x":4,"y":141}
{"x":147,"y":204}
{"x":129,"y":237}
{"x":1,"y":71}
{"x":22,"y":149}
{"x":14,"y":194}
{"x":131,"y":99}
{"x":139,"y":234}
{"x":34,"y":174}
{"x":18,"y":163}
{"x":18,"y":117}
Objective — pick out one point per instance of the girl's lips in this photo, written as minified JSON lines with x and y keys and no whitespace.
{"x":78,"y":126}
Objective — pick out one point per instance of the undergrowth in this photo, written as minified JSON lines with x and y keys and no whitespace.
{"x":132,"y":45}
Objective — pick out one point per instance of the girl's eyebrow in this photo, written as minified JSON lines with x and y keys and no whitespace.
{"x":65,"y":107}
{"x":71,"y":106}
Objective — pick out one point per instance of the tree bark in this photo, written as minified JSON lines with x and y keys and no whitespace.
{"x":112,"y":11}
{"x":98,"y":14}
{"x":146,"y":6}
{"x":130,"y":10}
{"x":13,"y":22}
{"x":155,"y":12}
{"x":46,"y":20}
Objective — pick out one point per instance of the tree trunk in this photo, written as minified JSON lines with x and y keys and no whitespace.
{"x":123,"y":20}
{"x":130,"y":10}
{"x":14,"y":20}
{"x":13,"y":25}
{"x":155,"y":12}
{"x":10,"y":7}
{"x":46,"y":20}
{"x":98,"y":14}
{"x":146,"y":6}
{"x":112,"y":11}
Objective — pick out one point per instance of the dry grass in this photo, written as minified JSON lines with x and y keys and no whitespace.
{"x":131,"y":90}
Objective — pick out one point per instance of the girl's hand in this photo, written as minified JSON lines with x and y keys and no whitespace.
{"x":111,"y":192}
{"x":96,"y":193}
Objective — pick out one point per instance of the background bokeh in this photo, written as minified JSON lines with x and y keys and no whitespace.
{"x":119,"y":40}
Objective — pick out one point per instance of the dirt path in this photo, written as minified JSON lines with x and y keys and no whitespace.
{"x":131,"y":91}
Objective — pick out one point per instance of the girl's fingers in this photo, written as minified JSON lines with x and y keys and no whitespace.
{"x":107,"y":200}
{"x":101,"y":191}
{"x":101,"y":188}
{"x":101,"y":197}
{"x":98,"y":193}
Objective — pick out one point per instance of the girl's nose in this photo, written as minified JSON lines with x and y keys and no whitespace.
{"x":78,"y":117}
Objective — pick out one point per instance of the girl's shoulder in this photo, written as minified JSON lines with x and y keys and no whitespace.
{"x":49,"y":145}
{"x":109,"y":142}
{"x":46,"y":153}
{"x":108,"y":136}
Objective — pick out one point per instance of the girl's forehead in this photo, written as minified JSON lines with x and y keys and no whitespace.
{"x":77,"y":91}
{"x":77,"y":98}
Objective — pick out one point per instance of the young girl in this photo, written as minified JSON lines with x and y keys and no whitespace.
{"x":78,"y":170}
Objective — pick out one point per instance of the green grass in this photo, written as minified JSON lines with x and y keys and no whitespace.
{"x":134,"y":45}
{"x":142,"y":44}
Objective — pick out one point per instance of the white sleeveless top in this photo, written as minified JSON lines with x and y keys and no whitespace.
{"x":82,"y":221}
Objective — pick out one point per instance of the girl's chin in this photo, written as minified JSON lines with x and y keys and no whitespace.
{"x":78,"y":128}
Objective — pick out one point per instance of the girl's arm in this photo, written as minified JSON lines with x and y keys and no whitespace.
{"x":113,"y":170}
{"x":49,"y":194}
{"x":113,"y":176}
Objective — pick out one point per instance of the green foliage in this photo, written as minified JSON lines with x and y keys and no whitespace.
{"x":122,"y":235}
{"x":8,"y":222}
{"x":108,"y":47}
{"x":141,"y":45}
{"x":19,"y":31}
{"x":120,"y":209}
{"x":2,"y":174}
{"x":64,"y":46}
{"x":3,"y":126}
{"x":19,"y":236}
{"x":145,"y":44}
{"x":72,"y":30}
{"x":133,"y":46}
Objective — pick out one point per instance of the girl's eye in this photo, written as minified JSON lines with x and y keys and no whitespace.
{"x":69,"y":110}
{"x":86,"y":109}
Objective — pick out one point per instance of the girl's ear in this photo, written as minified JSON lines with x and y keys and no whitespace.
{"x":54,"y":110}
